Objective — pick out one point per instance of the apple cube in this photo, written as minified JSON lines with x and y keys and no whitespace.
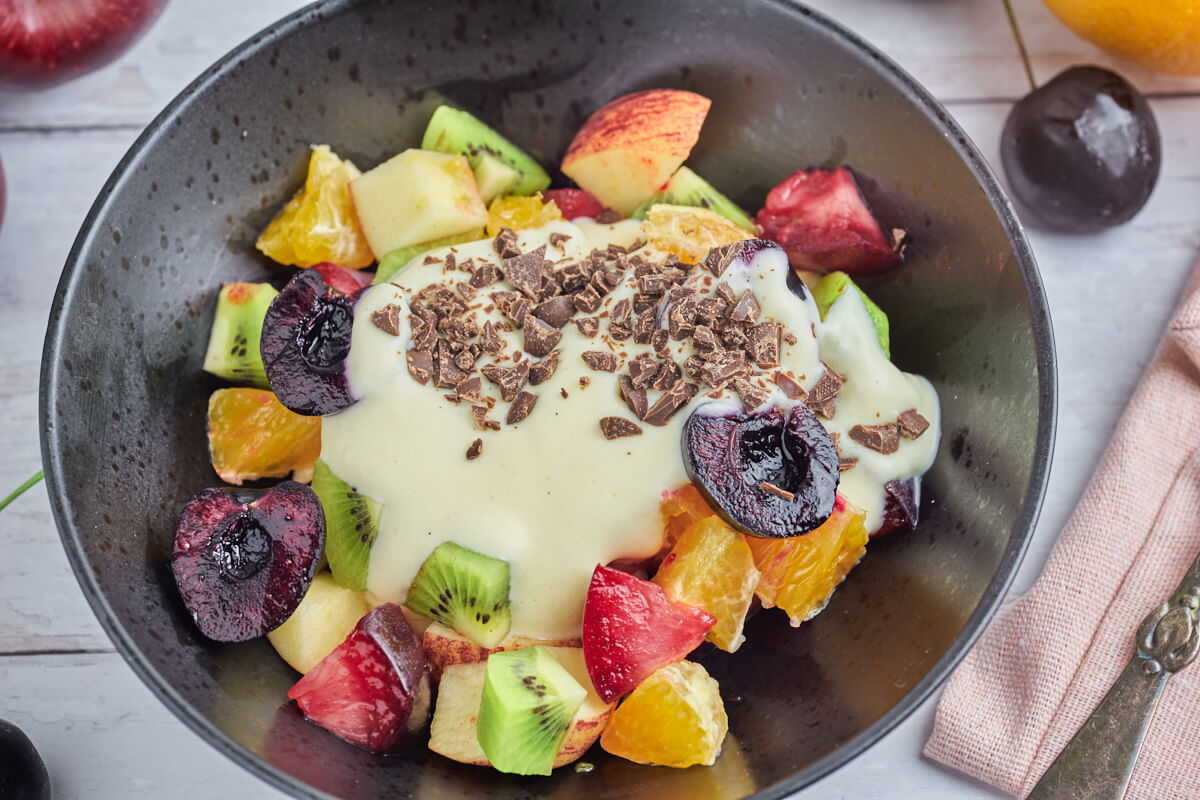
{"x":630,"y":147}
{"x":453,"y":734}
{"x":445,"y":647}
{"x":322,"y":621}
{"x":415,"y":197}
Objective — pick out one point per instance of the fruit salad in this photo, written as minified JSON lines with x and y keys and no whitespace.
{"x":555,"y":439}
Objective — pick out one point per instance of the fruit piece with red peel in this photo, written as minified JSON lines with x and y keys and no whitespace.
{"x":631,"y":628}
{"x":901,"y":500}
{"x":822,"y":220}
{"x":46,"y":43}
{"x":574,"y":203}
{"x":346,"y":281}
{"x":628,"y":148}
{"x":244,"y":562}
{"x":373,"y":689}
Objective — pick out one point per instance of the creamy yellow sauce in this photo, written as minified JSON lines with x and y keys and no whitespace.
{"x":550,"y":494}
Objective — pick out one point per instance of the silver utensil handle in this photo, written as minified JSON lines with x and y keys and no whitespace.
{"x":1097,"y":763}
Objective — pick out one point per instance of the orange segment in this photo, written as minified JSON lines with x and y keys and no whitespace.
{"x":674,"y":718}
{"x":711,"y":567}
{"x":251,"y":435}
{"x":318,"y":223}
{"x":680,"y":508}
{"x":517,"y":212}
{"x":800,"y":573}
{"x":689,"y":232}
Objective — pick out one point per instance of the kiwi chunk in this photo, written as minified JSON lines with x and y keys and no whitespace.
{"x":351,"y":525}
{"x":833,"y":285}
{"x":394,"y":260}
{"x":453,"y":131}
{"x":233,"y":352}
{"x":529,"y":700}
{"x":686,"y":188}
{"x":464,"y":590}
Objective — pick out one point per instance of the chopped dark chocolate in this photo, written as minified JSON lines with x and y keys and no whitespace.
{"x":466,"y":290}
{"x":618,"y":332}
{"x":734,"y":337}
{"x":598,"y":360}
{"x":446,"y":373}
{"x":746,"y":309}
{"x":752,"y":396}
{"x":617,"y":427}
{"x":588,"y":300}
{"x":643,"y":326}
{"x":681,"y":319}
{"x":790,"y":387}
{"x":544,"y":369}
{"x":826,"y":387}
{"x":762,"y":344}
{"x":668,"y":374}
{"x":705,"y":340}
{"x":420,"y":365}
{"x":642,"y":303}
{"x":430,"y":260}
{"x":634,"y":396}
{"x":559,"y":239}
{"x":540,"y":337}
{"x":524,"y":272}
{"x":692,"y":366}
{"x":622,"y":313}
{"x":470,"y":390}
{"x":723,"y":367}
{"x":475,"y":450}
{"x":509,"y":379}
{"x":387,"y":319}
{"x":465,"y":360}
{"x":521,"y":406}
{"x":767,"y":486}
{"x":572,"y":277}
{"x":484,"y":275}
{"x":490,"y":339}
{"x":912,"y":424}
{"x":557,"y":311}
{"x":825,"y":409}
{"x":790,"y":338}
{"x":711,"y":308}
{"x":669,"y":402}
{"x":505,"y":243}
{"x":584,"y":381}
{"x":846,"y":462}
{"x":642,"y":370}
{"x":480,"y":415}
{"x":725,"y":291}
{"x":608,"y":216}
{"x":880,"y":438}
{"x":653,"y":285}
{"x":588,"y":326}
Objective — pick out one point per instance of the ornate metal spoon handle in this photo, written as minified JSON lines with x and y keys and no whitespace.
{"x":1097,"y":762}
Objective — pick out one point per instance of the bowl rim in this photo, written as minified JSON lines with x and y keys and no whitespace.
{"x":51,"y":379}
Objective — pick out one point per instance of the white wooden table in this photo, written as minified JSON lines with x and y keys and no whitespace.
{"x":101,"y":732}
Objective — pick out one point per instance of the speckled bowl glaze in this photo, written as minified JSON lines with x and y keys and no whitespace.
{"x":123,"y":396}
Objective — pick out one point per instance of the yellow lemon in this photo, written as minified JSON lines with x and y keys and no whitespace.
{"x":1161,"y":35}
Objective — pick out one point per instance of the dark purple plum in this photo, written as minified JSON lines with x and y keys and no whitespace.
{"x":766,"y":474}
{"x":901,"y":501}
{"x":244,"y":561}
{"x":1083,"y":151}
{"x":305,"y":342}
{"x":23,"y":774}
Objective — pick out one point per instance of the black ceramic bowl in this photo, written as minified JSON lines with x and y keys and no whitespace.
{"x":123,"y":396}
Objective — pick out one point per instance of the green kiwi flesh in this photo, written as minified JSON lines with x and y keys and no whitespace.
{"x":233,"y":352}
{"x":528,"y":702}
{"x":830,"y":287}
{"x":351,"y":525}
{"x":394,"y":260}
{"x":453,"y":131}
{"x":465,"y":590}
{"x":686,"y":188}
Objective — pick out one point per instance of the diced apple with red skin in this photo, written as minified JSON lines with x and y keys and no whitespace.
{"x":346,"y":281}
{"x":574,"y":203}
{"x":631,"y":628}
{"x":373,"y":689}
{"x":630,"y":147}
{"x":822,"y":220}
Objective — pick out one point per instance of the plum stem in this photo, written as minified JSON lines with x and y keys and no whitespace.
{"x":20,"y":490}
{"x":1016,"y":29}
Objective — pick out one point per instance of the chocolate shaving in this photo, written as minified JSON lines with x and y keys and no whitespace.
{"x":762,"y":344}
{"x":451,"y":263}
{"x":747,"y":309}
{"x":544,"y":369}
{"x":520,"y":408}
{"x":540,"y":337}
{"x":617,"y":427}
{"x":790,"y":387}
{"x":387,"y":319}
{"x":559,"y":239}
{"x":597,"y":360}
{"x":767,"y":486}
{"x":634,"y":396}
{"x":505,"y":243}
{"x":671,"y":401}
{"x":420,"y":365}
{"x":430,"y":260}
{"x":790,"y":338}
{"x":490,"y":339}
{"x":883,"y":439}
{"x":475,"y":450}
{"x":584,"y":381}
{"x":588,"y":326}
{"x":912,"y":424}
{"x":510,"y":379}
{"x":484,"y":275}
{"x":480,"y":414}
{"x":556,"y":311}
{"x":524,"y":272}
{"x":846,"y":462}
{"x":608,"y":216}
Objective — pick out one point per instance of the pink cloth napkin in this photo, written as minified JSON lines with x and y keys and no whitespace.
{"x":1046,"y":661}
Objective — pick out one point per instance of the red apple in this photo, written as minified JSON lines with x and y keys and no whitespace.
{"x":630,"y":147}
{"x":46,"y":42}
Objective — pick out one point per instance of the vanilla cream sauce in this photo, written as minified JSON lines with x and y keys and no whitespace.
{"x":550,"y":494}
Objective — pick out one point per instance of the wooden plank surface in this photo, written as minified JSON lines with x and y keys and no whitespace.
{"x":105,"y":735}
